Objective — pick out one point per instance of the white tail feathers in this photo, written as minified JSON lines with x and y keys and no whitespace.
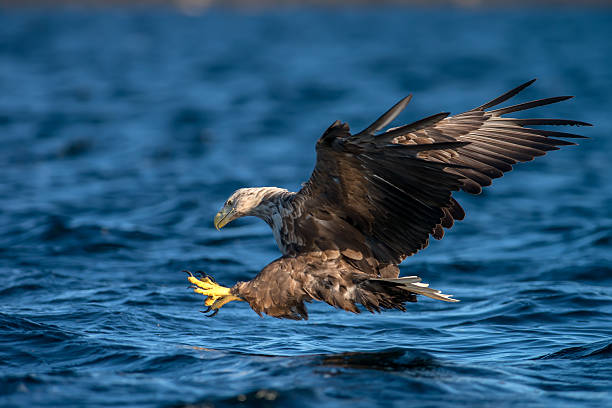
{"x":413,"y":284}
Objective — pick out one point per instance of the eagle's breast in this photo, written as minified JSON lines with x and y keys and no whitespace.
{"x":281,"y":216}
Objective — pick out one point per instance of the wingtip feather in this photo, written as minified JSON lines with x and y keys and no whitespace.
{"x":505,"y":96}
{"x":386,"y":117}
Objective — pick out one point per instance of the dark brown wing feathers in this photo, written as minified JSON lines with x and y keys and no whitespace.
{"x":413,"y":127}
{"x":395,"y":187}
{"x":528,"y":105}
{"x":503,"y":98}
{"x":386,"y":118}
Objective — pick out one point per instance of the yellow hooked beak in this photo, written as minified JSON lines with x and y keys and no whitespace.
{"x":224,"y":217}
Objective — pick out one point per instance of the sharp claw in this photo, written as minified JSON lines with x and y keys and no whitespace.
{"x":215,"y":295}
{"x":187,"y":272}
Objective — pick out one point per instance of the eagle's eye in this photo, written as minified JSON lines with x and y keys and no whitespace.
{"x":229,"y":202}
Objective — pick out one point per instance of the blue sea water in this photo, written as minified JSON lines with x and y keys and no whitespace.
{"x":123,"y":131}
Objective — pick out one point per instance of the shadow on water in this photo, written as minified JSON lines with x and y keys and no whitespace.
{"x":409,"y":362}
{"x":390,"y":359}
{"x":262,"y":398}
{"x":393,"y":359}
{"x":597,"y":350}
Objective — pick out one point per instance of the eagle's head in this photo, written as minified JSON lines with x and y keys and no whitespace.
{"x":260,"y":202}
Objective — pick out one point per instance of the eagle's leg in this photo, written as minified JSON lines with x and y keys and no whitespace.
{"x":216,"y":295}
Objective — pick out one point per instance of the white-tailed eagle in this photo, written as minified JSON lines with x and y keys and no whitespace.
{"x":373,"y":199}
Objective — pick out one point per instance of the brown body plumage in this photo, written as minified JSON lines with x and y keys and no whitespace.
{"x":375,"y":198}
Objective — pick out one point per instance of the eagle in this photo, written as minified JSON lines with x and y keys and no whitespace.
{"x":374,"y":198}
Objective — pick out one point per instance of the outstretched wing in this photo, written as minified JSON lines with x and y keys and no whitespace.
{"x":394,"y":188}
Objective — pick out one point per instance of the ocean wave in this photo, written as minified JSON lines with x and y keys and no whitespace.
{"x":597,"y":350}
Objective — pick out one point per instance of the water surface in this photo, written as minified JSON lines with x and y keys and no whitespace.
{"x":123,"y":132}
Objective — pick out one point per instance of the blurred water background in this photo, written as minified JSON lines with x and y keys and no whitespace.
{"x":124,"y":130}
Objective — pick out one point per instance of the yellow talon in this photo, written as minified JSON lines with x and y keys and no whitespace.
{"x":216,"y":295}
{"x":208,"y":287}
